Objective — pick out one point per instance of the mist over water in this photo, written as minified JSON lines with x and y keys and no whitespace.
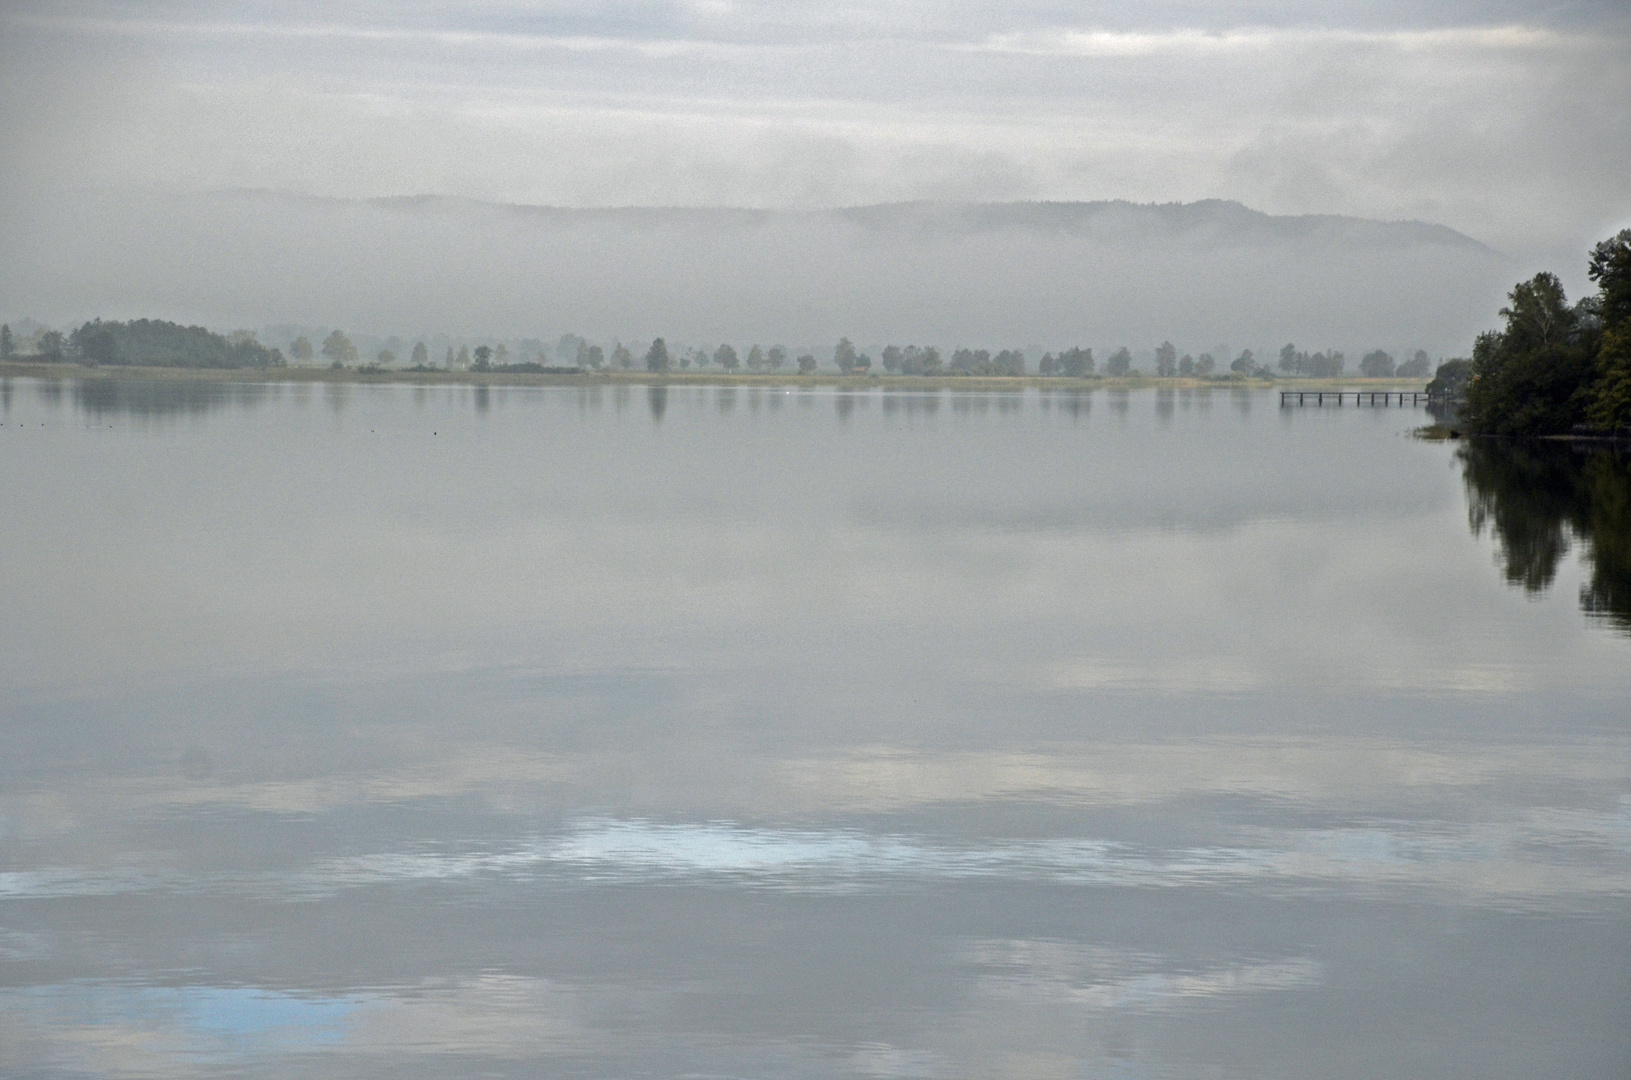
{"x":671,"y":730}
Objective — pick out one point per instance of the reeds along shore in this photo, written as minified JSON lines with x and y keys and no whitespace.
{"x":313,"y":374}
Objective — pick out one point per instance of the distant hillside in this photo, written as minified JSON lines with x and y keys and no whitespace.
{"x":1213,"y":222}
{"x":986,"y":275}
{"x":1210,"y":222}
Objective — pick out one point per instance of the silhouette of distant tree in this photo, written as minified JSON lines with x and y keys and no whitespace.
{"x":844,"y":355}
{"x":1166,"y":360}
{"x":1416,"y":367}
{"x":657,"y":358}
{"x":338,"y":348}
{"x":1076,"y":362}
{"x":1376,"y":364}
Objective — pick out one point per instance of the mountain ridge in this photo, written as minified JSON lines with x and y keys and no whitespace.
{"x":1108,"y":219}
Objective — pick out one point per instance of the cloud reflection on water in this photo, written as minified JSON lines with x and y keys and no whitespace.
{"x":1533,"y":862}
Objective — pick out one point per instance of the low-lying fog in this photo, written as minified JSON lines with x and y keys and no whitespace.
{"x":982,"y":275}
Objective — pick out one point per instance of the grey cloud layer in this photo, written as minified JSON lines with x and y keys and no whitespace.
{"x":1498,"y":122}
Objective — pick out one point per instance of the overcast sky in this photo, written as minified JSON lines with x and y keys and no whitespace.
{"x":1508,"y":121}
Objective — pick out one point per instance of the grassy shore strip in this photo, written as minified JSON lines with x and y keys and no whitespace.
{"x":676,"y":378}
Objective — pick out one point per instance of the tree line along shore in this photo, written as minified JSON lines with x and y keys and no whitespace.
{"x":152,"y":343}
{"x":24,"y":367}
{"x":1552,"y":369}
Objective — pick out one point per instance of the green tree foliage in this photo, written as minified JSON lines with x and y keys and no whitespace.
{"x":1376,"y":364}
{"x":756,"y":359}
{"x":921,"y":361}
{"x":807,"y":364}
{"x":1205,"y":365}
{"x":911,"y":360}
{"x":1166,"y":360}
{"x":1451,"y":379}
{"x":7,"y":346}
{"x":1609,"y":407}
{"x":1244,"y":364}
{"x":386,"y":358}
{"x":421,"y":355}
{"x":844,"y":355}
{"x":1320,"y":365}
{"x":1120,"y":363}
{"x":52,"y":345}
{"x":338,"y":348}
{"x":776,"y":357}
{"x":1416,"y":367}
{"x":301,"y":349}
{"x":1047,"y":365}
{"x":484,"y":357}
{"x":1186,"y":366}
{"x":590,"y":356}
{"x":463,"y":359}
{"x":1610,"y":268}
{"x":1530,"y":378}
{"x":726,"y":357}
{"x":657,"y":358}
{"x":622,"y":358}
{"x":150,"y":342}
{"x":981,"y":362}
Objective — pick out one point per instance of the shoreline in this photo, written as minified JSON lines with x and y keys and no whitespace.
{"x":353,"y":376}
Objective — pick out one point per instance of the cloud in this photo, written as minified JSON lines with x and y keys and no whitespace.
{"x":1498,"y":128}
{"x":1191,"y":42}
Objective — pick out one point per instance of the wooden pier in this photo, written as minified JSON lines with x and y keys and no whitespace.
{"x":1360,"y":397}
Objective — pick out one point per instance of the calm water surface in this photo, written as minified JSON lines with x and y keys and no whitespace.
{"x":381,"y":731}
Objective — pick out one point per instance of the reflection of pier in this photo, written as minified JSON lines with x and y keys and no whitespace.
{"x":1361,"y":397}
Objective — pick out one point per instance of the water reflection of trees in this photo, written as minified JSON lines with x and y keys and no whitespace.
{"x":1536,"y":499}
{"x":156,"y":399}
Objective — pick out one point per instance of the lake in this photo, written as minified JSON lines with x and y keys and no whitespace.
{"x":710,"y":732}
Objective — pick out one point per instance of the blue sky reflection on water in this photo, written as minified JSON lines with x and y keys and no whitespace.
{"x":1010,"y":735}
{"x":211,"y":1021}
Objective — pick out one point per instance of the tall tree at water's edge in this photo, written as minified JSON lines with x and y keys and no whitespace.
{"x":1610,"y":268}
{"x":1530,"y":377}
{"x":1554,"y":366}
{"x":657,"y":358}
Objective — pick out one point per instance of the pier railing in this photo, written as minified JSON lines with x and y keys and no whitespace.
{"x":1360,"y":397}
